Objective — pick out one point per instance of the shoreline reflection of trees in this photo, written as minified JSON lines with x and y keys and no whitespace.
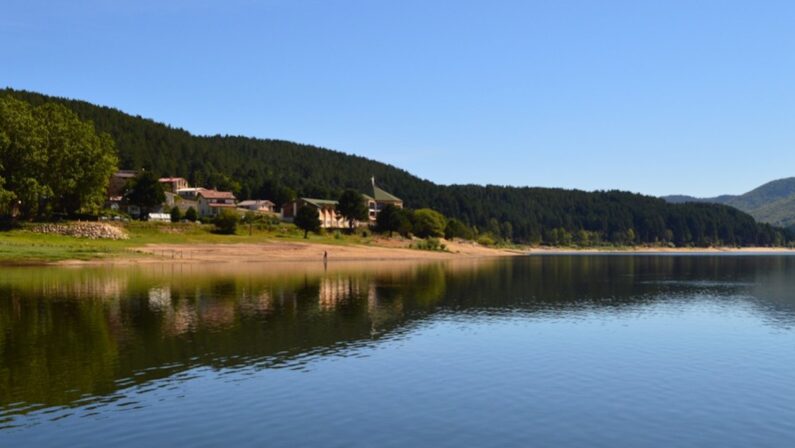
{"x":65,"y":333}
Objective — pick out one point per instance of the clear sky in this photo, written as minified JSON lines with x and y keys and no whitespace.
{"x":658,"y":97}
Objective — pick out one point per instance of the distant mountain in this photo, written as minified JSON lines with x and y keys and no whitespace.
{"x":773,"y":202}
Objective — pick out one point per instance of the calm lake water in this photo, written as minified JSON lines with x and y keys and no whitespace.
{"x":642,"y":351}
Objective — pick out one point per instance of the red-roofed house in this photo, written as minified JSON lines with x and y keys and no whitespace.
{"x":212,"y":201}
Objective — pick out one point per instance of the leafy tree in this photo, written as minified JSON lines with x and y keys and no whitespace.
{"x":226,"y":222}
{"x":307,"y":219}
{"x":176,"y":214}
{"x":457,"y":229}
{"x":393,"y":219}
{"x":145,"y":191}
{"x":428,"y":223}
{"x":352,"y":208}
{"x":191,"y":215}
{"x":51,"y":160}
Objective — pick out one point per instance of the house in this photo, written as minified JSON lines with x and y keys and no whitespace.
{"x":257,"y":205}
{"x":191,"y":194}
{"x":379,"y":200}
{"x":118,"y":181}
{"x":327,"y":211}
{"x":212,"y":201}
{"x":173,"y":184}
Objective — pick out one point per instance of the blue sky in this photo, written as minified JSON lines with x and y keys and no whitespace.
{"x":657,"y":97}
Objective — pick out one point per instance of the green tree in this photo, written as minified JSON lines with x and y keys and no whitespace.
{"x":393,"y":219}
{"x":457,"y":229}
{"x":51,"y":161}
{"x":145,"y":191}
{"x":307,"y":219}
{"x":191,"y":215}
{"x":352,"y":208}
{"x":428,"y":223}
{"x":176,"y":214}
{"x":226,"y":222}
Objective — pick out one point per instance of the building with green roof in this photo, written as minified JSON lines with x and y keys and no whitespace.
{"x":327,"y":208}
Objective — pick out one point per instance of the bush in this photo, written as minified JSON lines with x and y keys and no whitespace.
{"x":191,"y":215}
{"x":486,"y":240}
{"x":430,"y":244}
{"x":176,"y":214}
{"x":457,"y":229}
{"x":428,"y":223}
{"x":226,"y":222}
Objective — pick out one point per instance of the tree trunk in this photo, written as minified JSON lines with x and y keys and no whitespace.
{"x":306,"y":233}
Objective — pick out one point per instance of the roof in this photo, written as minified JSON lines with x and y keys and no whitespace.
{"x":213,"y":194}
{"x":381,"y":195}
{"x":255,"y":202}
{"x":171,"y":179}
{"x":320,"y":202}
{"x":222,"y":205}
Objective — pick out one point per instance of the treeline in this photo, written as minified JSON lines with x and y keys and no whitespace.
{"x":280,"y":170}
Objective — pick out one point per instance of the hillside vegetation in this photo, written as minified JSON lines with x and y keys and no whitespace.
{"x":276,"y":170}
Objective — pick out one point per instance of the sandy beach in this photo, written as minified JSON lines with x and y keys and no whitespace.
{"x":385,"y":250}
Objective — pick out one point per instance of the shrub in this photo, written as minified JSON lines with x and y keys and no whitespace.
{"x":430,"y":244}
{"x":176,"y":214}
{"x":457,"y":229}
{"x":226,"y":222}
{"x":486,"y":240}
{"x":428,"y":223}
{"x":191,"y":215}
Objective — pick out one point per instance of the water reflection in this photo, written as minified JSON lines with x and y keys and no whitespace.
{"x":88,"y":337}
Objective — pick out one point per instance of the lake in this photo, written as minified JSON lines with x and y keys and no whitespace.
{"x":571,"y":351}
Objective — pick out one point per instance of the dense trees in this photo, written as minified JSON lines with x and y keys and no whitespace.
{"x":280,"y":170}
{"x":51,"y":162}
{"x":307,"y":219}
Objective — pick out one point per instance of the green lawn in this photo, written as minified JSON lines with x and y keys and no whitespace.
{"x":24,"y":246}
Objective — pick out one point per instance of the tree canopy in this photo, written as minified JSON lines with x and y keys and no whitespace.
{"x":51,"y":161}
{"x":307,"y":219}
{"x":145,"y":191}
{"x":352,"y":208}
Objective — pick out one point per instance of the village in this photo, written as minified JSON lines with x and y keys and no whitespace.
{"x":208,"y":203}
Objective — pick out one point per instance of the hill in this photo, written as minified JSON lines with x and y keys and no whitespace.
{"x":773,"y":202}
{"x":276,"y":169}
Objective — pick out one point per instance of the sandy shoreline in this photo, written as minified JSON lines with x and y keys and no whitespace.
{"x":313,"y":252}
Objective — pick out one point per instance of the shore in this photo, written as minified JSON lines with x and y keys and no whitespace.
{"x":314,"y":252}
{"x":296,"y":252}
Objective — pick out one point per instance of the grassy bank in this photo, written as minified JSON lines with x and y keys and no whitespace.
{"x":22,"y":246}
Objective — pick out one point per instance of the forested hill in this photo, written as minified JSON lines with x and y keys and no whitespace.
{"x":274,"y":169}
{"x":773,"y":202}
